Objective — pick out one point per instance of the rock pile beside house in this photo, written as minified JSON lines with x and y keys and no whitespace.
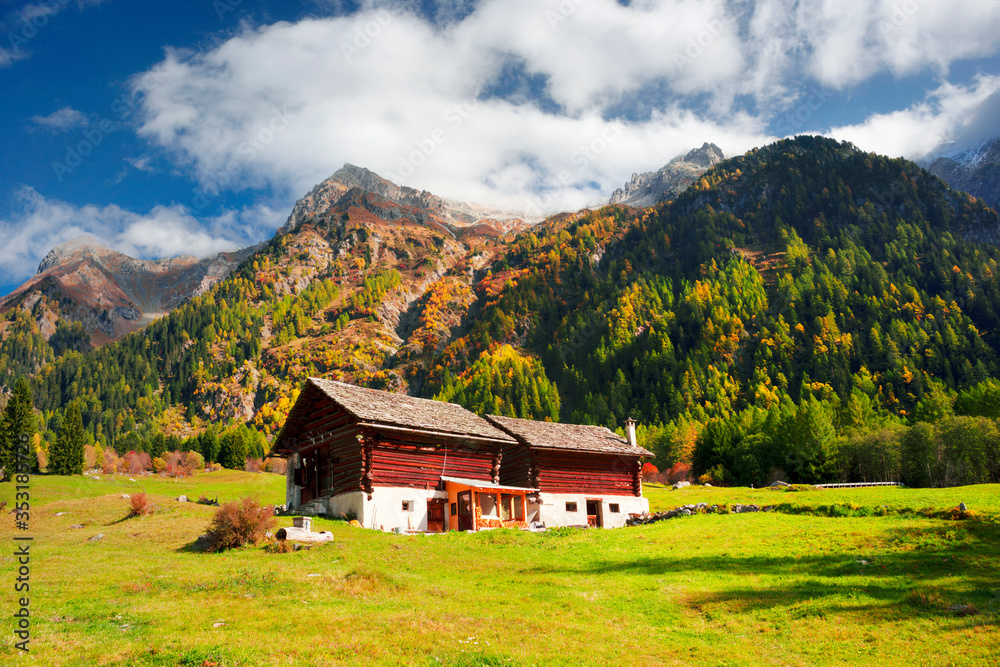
{"x":700,"y":508}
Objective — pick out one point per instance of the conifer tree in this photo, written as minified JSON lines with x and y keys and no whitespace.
{"x":66,"y":457}
{"x":18,"y":424}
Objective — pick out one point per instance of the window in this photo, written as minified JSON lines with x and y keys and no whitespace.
{"x":488,"y":504}
{"x":570,"y":507}
{"x":407,"y":505}
{"x":511,"y":507}
{"x":613,"y":508}
{"x":454,"y":509}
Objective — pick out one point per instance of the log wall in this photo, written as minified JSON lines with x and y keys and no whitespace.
{"x":588,"y":473}
{"x":420,"y":463}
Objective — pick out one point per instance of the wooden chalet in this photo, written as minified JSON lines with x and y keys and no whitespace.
{"x":396,"y":462}
{"x":586,"y":475}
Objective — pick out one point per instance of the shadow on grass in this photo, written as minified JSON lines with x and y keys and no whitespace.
{"x":940,"y":572}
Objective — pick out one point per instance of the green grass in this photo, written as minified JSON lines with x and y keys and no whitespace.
{"x":983,"y":499}
{"x":771,"y":588}
{"x":226,"y":485}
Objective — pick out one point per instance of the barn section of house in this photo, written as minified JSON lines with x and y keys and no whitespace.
{"x":585,"y":475}
{"x":395,"y":462}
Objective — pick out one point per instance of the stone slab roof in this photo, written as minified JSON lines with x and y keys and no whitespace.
{"x":569,"y":437}
{"x":401,"y":410}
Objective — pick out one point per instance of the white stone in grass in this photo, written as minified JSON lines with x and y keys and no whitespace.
{"x":182,"y":499}
{"x":97,"y":538}
{"x":962,"y":507}
{"x":126,"y":496}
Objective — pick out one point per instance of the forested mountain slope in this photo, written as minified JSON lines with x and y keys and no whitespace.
{"x":803,"y":292}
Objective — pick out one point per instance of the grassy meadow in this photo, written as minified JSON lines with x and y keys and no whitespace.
{"x":767,"y":588}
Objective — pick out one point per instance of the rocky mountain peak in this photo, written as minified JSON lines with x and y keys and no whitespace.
{"x":653,"y":187}
{"x":707,"y":156}
{"x":75,"y":246}
{"x":113,"y":294}
{"x":975,"y":170}
{"x":339,"y":193}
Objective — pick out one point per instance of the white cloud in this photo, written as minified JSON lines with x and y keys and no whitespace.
{"x":952,"y":118}
{"x":63,"y":120}
{"x":41,"y":224}
{"x":283,"y":106}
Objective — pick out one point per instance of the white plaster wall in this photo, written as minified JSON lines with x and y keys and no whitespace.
{"x":553,"y":509}
{"x":344,"y":503}
{"x":385,"y":510}
{"x":292,"y":492}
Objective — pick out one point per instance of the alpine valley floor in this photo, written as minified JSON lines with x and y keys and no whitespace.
{"x":777,"y":588}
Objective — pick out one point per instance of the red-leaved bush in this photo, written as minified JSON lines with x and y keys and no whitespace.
{"x":140,"y":504}
{"x":252,"y":465}
{"x":137,"y":462}
{"x":680,"y":472}
{"x":239,"y":523}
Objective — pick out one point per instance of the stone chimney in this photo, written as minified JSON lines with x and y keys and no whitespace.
{"x":630,"y":432}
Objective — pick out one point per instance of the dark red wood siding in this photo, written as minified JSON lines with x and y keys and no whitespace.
{"x":420,"y":462}
{"x":587,"y":473}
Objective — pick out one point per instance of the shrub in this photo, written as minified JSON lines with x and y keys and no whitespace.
{"x":110,"y":463}
{"x":42,"y":456}
{"x":193,"y":461}
{"x":140,"y":504}
{"x":239,"y":523}
{"x":159,"y":465}
{"x":275,"y":465}
{"x":252,"y":465}
{"x":680,"y":472}
{"x":89,"y":457}
{"x":136,"y":462}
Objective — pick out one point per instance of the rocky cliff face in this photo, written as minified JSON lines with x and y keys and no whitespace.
{"x":976,"y":171}
{"x":653,"y":187}
{"x":113,"y":294}
{"x":357,"y":190}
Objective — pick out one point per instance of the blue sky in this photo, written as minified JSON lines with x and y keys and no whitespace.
{"x":192,"y":126}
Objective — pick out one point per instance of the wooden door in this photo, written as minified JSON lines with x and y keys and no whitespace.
{"x":594,"y":513}
{"x":465,"y":514}
{"x":435,"y":516}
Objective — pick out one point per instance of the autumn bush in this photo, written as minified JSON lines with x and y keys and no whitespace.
{"x":89,"y":457}
{"x":193,"y":461}
{"x":140,"y":504}
{"x":276,"y":465}
{"x":679,"y":472}
{"x":110,"y":463}
{"x":239,"y":523}
{"x":252,"y":465}
{"x":42,"y":456}
{"x":137,"y":462}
